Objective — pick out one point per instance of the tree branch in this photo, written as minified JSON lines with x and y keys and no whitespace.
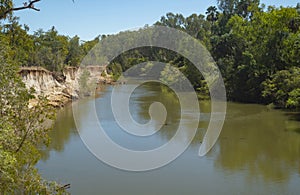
{"x":29,"y":6}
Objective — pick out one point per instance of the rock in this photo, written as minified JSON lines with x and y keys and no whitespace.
{"x":59,"y":88}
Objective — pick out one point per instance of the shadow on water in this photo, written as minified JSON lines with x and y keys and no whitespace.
{"x":253,"y":140}
{"x":293,"y":124}
{"x":263,"y":143}
{"x":160,"y":93}
{"x":258,"y":148}
{"x":63,"y":129}
{"x":293,"y":116}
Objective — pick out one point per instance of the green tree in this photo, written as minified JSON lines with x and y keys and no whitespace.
{"x":172,"y":20}
{"x":51,"y":49}
{"x":22,"y":131}
{"x":283,"y":88}
{"x":88,"y":45}
{"x":239,"y":7}
{"x":212,"y":14}
{"x":255,"y":49}
{"x":21,"y":44}
{"x":7,"y":7}
{"x":75,"y":53}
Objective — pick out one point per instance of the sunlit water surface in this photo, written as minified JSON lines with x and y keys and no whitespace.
{"x":258,"y":151}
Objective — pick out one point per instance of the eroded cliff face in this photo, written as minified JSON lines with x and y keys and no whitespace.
{"x":60,"y":89}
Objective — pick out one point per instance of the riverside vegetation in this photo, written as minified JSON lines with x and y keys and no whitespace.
{"x":256,"y":48}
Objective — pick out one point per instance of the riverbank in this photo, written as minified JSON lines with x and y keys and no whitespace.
{"x":60,"y":88}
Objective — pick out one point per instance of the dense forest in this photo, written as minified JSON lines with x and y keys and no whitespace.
{"x":24,"y":129}
{"x":256,"y":47}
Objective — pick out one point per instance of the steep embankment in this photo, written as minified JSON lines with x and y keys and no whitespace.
{"x":59,"y":89}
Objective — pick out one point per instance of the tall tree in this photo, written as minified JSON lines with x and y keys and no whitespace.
{"x":51,"y":49}
{"x":75,"y":52}
{"x":212,"y":14}
{"x":20,"y":41}
{"x":21,"y":131}
{"x":172,"y":20}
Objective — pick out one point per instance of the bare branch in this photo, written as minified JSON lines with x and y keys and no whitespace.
{"x":26,"y":6}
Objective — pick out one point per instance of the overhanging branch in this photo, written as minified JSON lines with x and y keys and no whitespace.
{"x":29,"y":5}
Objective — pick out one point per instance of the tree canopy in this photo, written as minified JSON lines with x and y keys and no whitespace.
{"x":252,"y":46}
{"x":257,"y":49}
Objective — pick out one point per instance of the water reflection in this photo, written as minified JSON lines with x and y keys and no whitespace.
{"x":255,"y":139}
{"x":148,"y":93}
{"x":64,"y":128}
{"x":258,"y":149}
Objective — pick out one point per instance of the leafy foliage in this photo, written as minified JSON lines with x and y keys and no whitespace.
{"x":256,"y":49}
{"x":284,"y":88}
{"x":46,"y":49}
{"x":4,"y":6}
{"x":251,"y":46}
{"x":23,"y":130}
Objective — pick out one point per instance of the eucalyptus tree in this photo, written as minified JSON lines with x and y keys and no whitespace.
{"x":23,"y":127}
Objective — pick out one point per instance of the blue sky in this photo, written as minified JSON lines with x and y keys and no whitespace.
{"x":89,"y":18}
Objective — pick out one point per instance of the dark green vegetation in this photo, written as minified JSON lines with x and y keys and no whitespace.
{"x":23,"y":129}
{"x":256,"y":48}
{"x":46,"y":49}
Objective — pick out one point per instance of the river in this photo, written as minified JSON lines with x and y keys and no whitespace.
{"x":258,"y":151}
